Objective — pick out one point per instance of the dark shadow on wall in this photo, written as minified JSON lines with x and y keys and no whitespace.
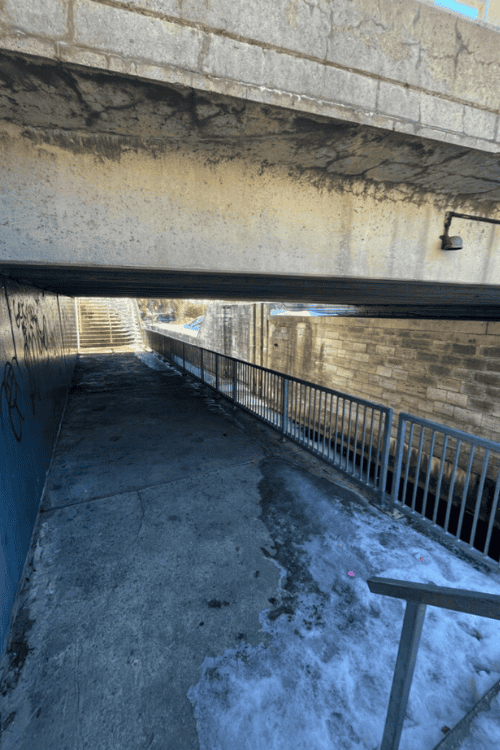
{"x":38,"y":353}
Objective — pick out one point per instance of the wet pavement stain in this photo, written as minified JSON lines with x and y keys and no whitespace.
{"x":289,"y":525}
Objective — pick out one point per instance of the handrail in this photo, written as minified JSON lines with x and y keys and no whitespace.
{"x":359,"y":431}
{"x":318,"y":387}
{"x":418,"y":596}
{"x":77,"y":311}
{"x":426,"y":454}
{"x":338,"y":430}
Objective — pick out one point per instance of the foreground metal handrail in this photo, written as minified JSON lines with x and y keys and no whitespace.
{"x":359,"y":431}
{"x":418,"y":596}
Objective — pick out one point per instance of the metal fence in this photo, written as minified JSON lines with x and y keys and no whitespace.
{"x":350,"y":433}
{"x":445,"y":478}
{"x":446,"y":473}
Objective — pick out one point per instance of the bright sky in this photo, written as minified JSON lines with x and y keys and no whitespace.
{"x":324,"y":682}
{"x":458,"y":7}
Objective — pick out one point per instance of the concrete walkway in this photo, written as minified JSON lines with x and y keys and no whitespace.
{"x":147,"y":556}
{"x":161,"y":536}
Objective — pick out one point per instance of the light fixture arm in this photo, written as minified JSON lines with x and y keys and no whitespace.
{"x":455,"y":243}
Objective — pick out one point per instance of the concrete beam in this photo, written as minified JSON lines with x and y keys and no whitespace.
{"x":398,"y":65}
{"x":107,"y":177}
{"x":374,"y":297}
{"x":177,"y":207}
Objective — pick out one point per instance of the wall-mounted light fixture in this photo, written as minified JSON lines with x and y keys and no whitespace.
{"x":455,"y":243}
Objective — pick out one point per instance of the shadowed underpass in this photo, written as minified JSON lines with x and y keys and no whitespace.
{"x":169,"y":549}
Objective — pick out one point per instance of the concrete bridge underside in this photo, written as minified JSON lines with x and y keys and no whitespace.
{"x":117,"y":186}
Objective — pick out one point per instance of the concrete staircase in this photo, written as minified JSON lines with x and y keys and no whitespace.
{"x":108,"y":323}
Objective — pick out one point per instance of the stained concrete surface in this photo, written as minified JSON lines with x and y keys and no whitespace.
{"x":163,"y":533}
{"x":147,"y":556}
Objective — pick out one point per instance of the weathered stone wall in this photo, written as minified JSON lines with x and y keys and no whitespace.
{"x":229,"y":328}
{"x":446,"y":371}
{"x":443,"y":370}
{"x":37,"y":358}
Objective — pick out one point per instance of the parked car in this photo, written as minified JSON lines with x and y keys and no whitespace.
{"x":195,"y":324}
{"x":164,"y":319}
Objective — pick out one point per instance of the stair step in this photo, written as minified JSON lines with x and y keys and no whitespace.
{"x":104,"y":324}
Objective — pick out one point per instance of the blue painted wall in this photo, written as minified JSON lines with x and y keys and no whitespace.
{"x":37,"y":359}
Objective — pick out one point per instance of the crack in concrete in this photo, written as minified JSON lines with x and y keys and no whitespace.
{"x":77,"y":690}
{"x":462,"y":48}
{"x":142,"y":514}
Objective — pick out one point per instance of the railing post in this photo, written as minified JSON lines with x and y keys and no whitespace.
{"x":202,"y":374}
{"x":235,"y":384}
{"x":77,"y":304}
{"x":403,"y":674}
{"x":216,"y":371}
{"x":385,"y":453}
{"x":398,"y":460}
{"x":109,"y":324}
{"x":284,"y":412}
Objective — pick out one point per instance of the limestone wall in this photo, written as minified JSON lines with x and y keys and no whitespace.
{"x":446,"y":371}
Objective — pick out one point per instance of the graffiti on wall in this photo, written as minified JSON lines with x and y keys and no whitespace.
{"x":11,"y":397}
{"x":35,"y":342}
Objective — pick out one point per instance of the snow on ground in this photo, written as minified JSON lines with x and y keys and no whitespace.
{"x":324,"y":682}
{"x":153,"y":360}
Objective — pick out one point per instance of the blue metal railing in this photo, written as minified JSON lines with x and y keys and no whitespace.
{"x":350,"y":433}
{"x":451,"y":470}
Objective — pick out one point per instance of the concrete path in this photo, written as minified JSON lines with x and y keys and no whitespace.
{"x":165,"y":529}
{"x":147,"y":556}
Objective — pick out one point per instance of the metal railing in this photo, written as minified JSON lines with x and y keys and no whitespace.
{"x":78,"y":323}
{"x":348,"y":432}
{"x":354,"y":435}
{"x":418,"y":596}
{"x":445,"y":478}
{"x":451,"y":471}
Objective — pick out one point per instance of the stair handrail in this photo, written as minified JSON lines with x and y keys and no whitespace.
{"x":78,"y":323}
{"x":418,"y":596}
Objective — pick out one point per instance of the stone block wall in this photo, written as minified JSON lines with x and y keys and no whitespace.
{"x":441,"y":370}
{"x":238,"y":329}
{"x":445,"y":371}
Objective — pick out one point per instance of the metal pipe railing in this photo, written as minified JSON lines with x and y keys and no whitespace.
{"x":78,"y":323}
{"x":440,"y":467}
{"x":354,"y":435}
{"x":296,"y":408}
{"x":418,"y":596}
